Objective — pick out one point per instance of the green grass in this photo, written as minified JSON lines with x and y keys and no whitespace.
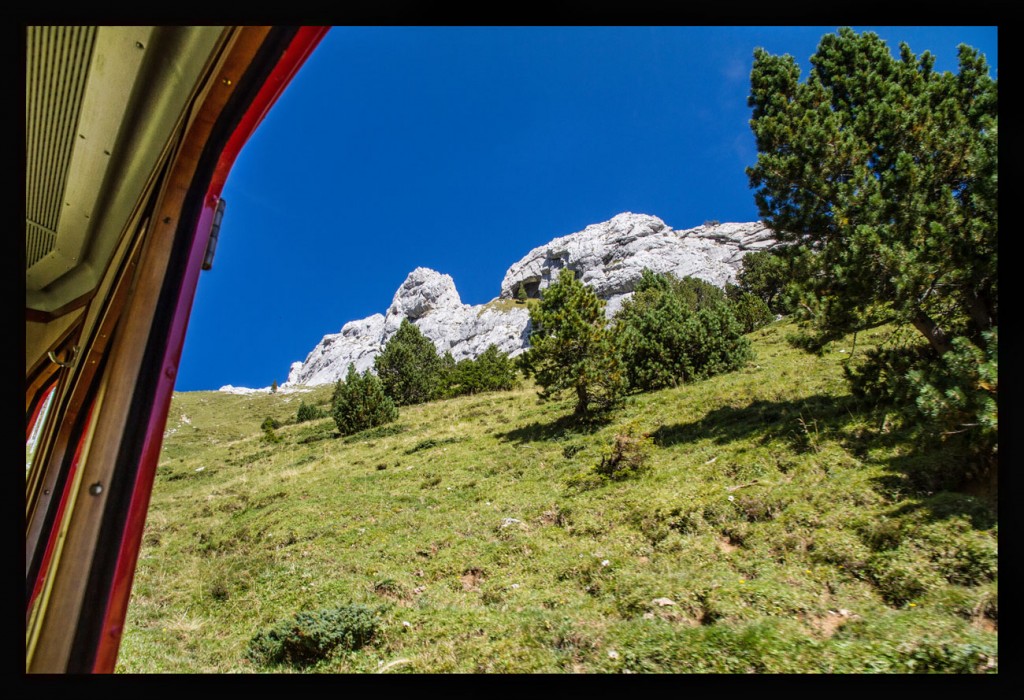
{"x":776,"y":528}
{"x":506,"y":305}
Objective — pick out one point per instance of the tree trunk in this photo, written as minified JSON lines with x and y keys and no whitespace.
{"x":582,"y":399}
{"x":937,"y":337}
{"x":980,"y":311}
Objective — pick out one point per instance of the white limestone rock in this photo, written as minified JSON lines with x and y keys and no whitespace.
{"x":357,"y":343}
{"x":423,"y":291}
{"x":430,"y":300}
{"x":611,"y":255}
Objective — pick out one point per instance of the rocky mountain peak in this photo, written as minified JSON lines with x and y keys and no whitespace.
{"x":423,"y":291}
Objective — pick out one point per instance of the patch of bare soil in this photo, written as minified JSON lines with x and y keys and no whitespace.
{"x":726,"y":544}
{"x":471,"y":579}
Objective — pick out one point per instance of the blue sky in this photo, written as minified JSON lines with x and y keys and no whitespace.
{"x":460,"y":149}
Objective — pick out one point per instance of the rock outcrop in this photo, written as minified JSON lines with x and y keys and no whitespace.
{"x":608,"y":256}
{"x":611,"y":255}
{"x":429,"y":300}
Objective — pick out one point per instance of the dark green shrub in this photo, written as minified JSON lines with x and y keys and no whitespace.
{"x":951,"y":398}
{"x":491,"y":371}
{"x":409,"y":367}
{"x":766,"y":274}
{"x":309,"y":412}
{"x":674,"y":331}
{"x":956,"y":394}
{"x":268,"y":425}
{"x":360,"y":403}
{"x":880,"y":379}
{"x":750,"y":311}
{"x":311,"y":636}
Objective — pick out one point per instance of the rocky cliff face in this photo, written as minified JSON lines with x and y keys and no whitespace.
{"x":608,"y":256}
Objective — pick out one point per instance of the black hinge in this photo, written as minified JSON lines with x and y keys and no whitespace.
{"x":211,"y":246}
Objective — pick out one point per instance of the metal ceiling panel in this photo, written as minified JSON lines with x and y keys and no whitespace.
{"x":57,"y":66}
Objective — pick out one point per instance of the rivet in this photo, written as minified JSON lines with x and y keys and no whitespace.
{"x":169,"y":372}
{"x":167,"y":219}
{"x":46,"y":492}
{"x":81,"y":136}
{"x":96,"y":489}
{"x":138,"y":45}
{"x":226,"y":81}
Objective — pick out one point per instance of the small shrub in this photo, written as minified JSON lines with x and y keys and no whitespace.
{"x":308,"y":412}
{"x":311,"y":636}
{"x":570,"y":450}
{"x":268,"y":426}
{"x":628,"y":458}
{"x":767,"y":275}
{"x":430,"y":443}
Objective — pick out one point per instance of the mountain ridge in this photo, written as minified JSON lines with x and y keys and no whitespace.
{"x":608,"y":256}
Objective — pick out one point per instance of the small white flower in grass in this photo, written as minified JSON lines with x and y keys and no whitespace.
{"x":200,"y":469}
{"x":732,"y":498}
{"x":515,"y":585}
{"x":605,"y":562}
{"x":612,"y":654}
{"x":406,"y":624}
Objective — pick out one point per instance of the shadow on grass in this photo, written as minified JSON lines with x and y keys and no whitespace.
{"x":799,"y":421}
{"x":945,"y":479}
{"x":939,"y":478}
{"x":556,"y":430}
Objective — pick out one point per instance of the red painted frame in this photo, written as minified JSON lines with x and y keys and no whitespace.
{"x":301,"y":46}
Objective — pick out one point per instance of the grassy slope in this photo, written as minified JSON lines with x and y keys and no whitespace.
{"x":790,"y":533}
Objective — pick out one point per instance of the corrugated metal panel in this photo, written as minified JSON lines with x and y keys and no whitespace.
{"x":58,"y":63}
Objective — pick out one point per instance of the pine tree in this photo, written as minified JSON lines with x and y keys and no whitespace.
{"x":409,"y":366}
{"x":359,"y":403}
{"x":886,"y":170}
{"x":767,"y":275}
{"x":882,"y":174}
{"x":571,"y":348}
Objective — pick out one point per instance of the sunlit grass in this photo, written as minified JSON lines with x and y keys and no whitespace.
{"x":778,"y":529}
